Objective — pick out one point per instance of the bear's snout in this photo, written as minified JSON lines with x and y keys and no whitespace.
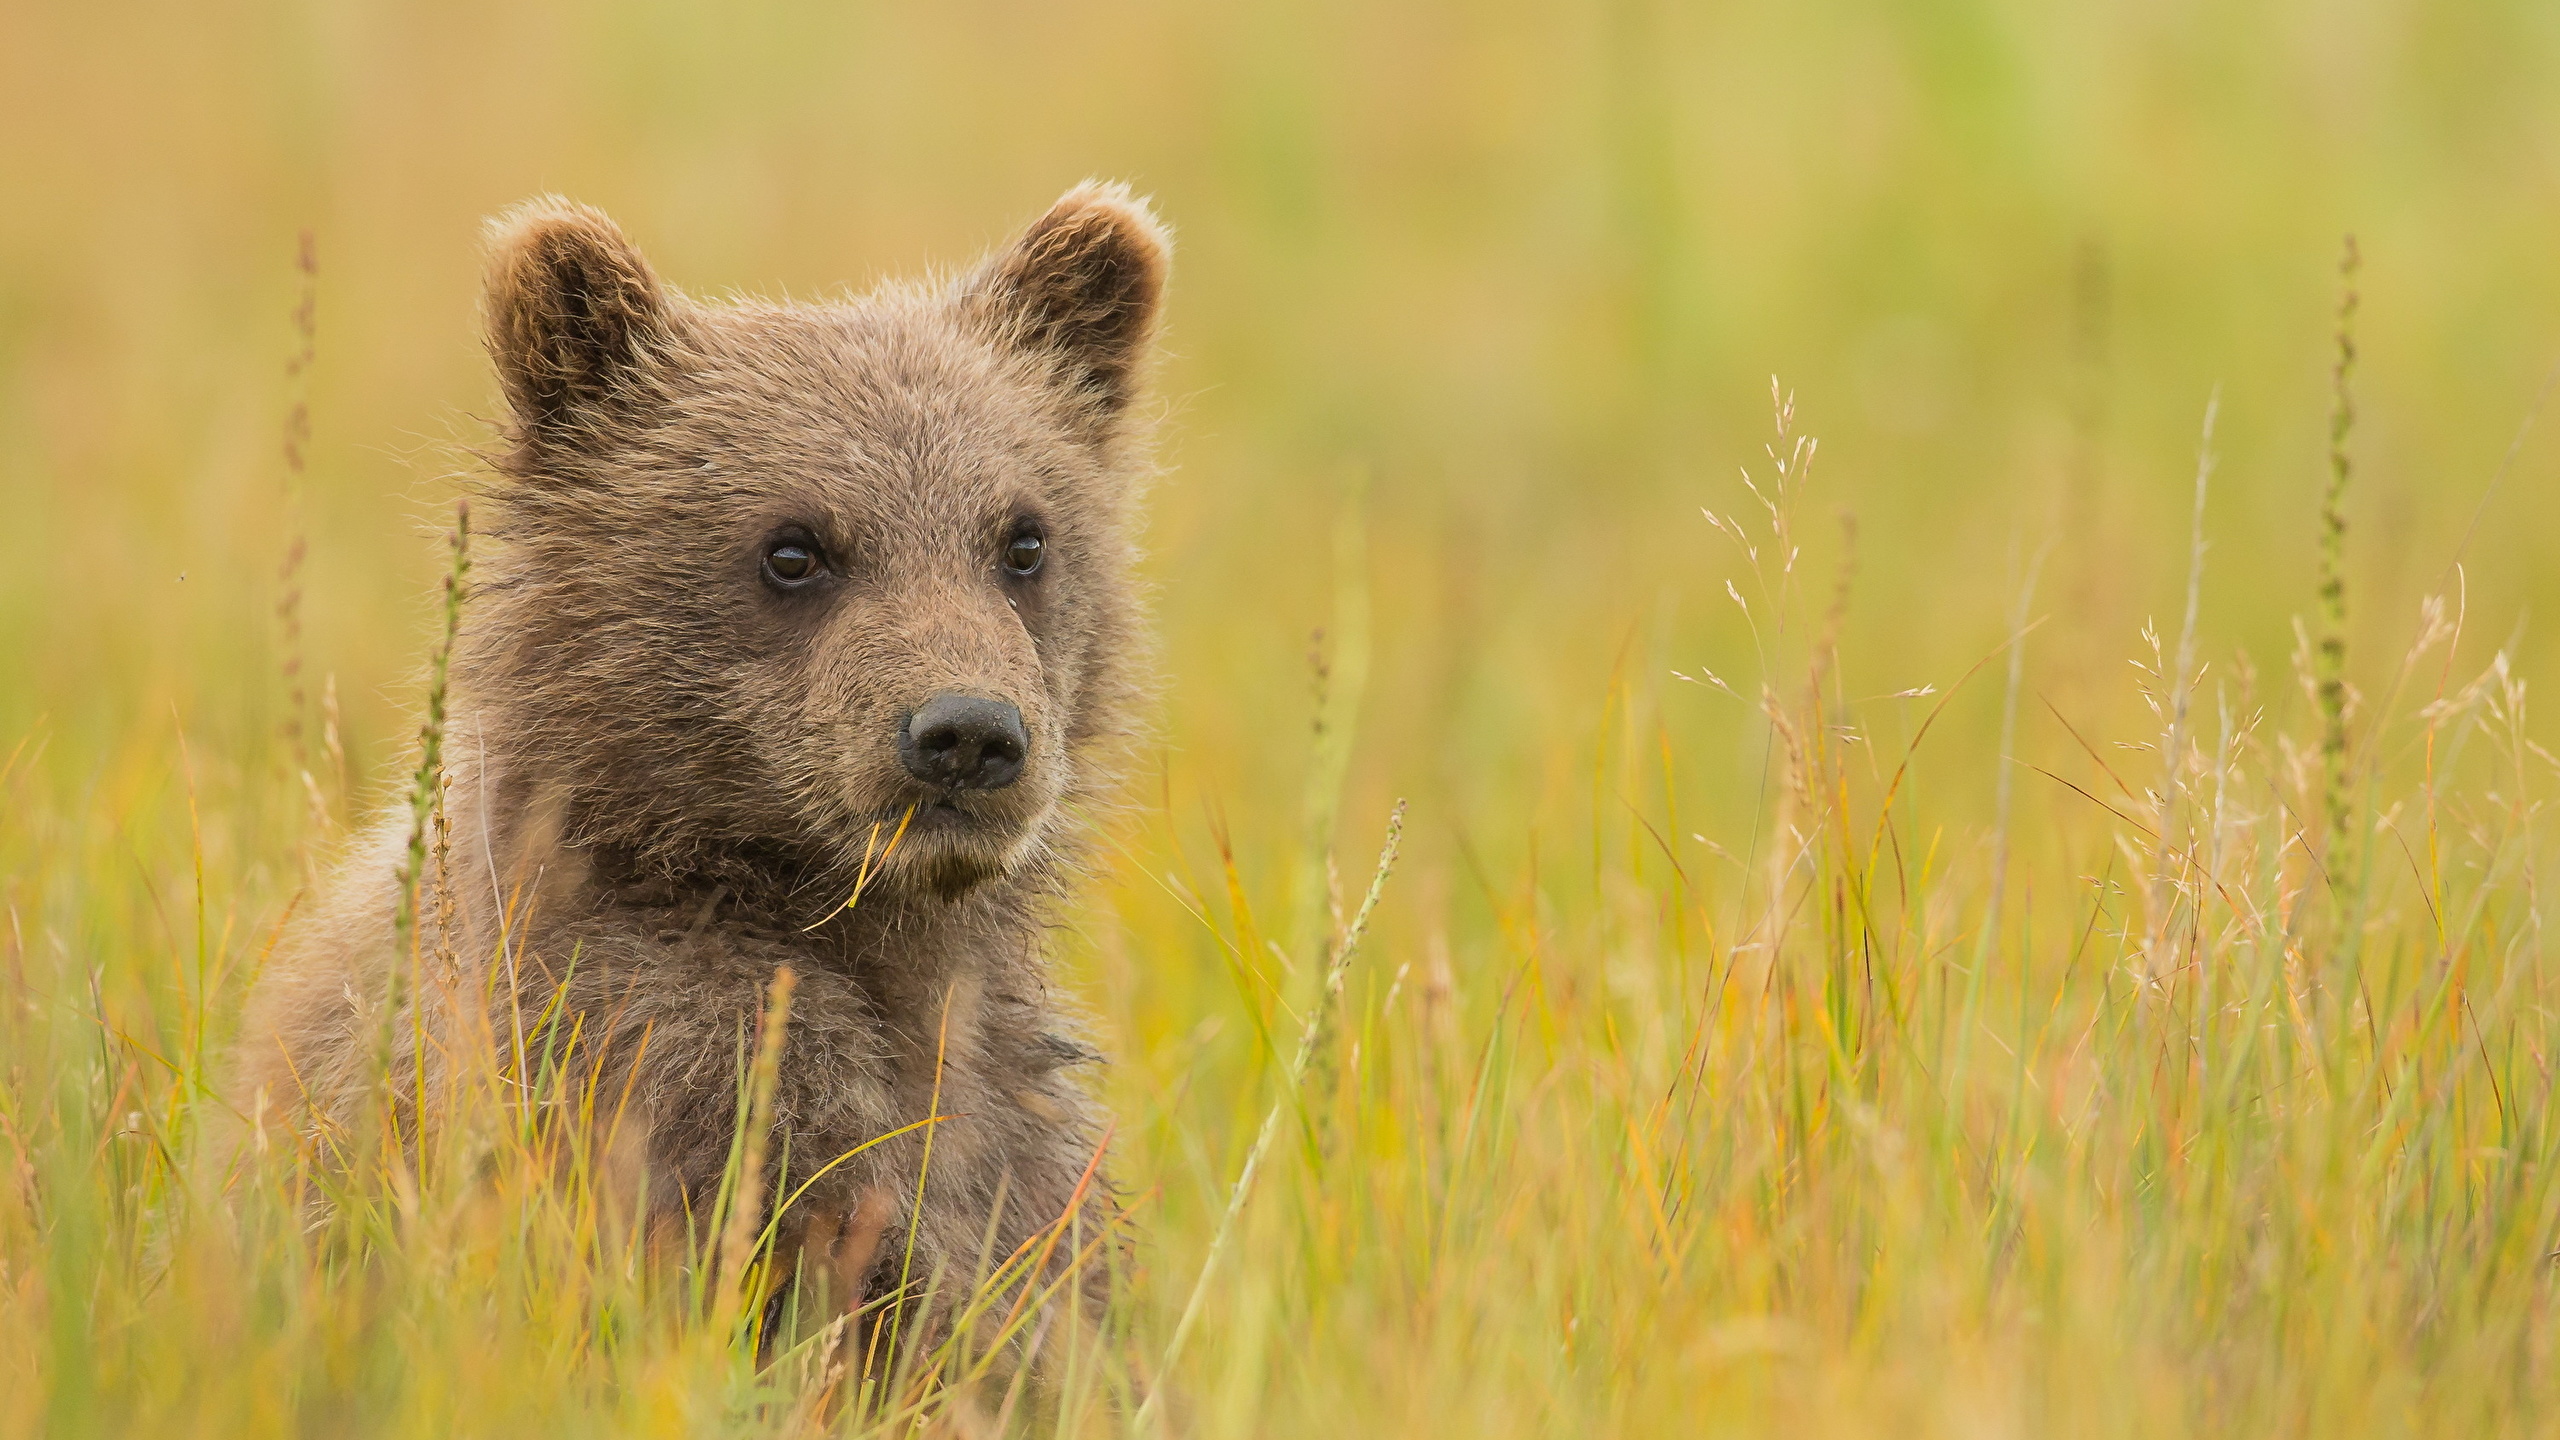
{"x":964,"y":742}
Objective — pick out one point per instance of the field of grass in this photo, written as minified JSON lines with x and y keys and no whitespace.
{"x":2006,"y":922}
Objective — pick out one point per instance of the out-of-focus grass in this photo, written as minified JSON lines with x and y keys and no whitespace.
{"x":1718,"y":1063}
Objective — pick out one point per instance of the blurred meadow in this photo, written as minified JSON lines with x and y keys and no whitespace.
{"x":1914,"y":953}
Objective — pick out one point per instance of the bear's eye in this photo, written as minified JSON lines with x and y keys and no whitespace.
{"x":1024,"y":552}
{"x":791,"y":562}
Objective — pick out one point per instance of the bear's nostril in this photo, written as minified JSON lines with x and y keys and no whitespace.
{"x":964,"y":742}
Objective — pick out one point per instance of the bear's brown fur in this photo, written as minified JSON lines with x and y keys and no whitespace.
{"x":668,"y":766}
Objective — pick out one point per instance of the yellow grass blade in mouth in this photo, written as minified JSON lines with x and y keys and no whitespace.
{"x":871,"y":866}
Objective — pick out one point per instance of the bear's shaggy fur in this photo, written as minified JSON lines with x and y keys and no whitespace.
{"x":668,"y":769}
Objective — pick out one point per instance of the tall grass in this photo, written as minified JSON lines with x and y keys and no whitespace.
{"x":1910,"y":951}
{"x":1724,"y":1136}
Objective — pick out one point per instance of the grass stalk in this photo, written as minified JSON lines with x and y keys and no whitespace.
{"x":426,"y":784}
{"x":289,"y":578}
{"x":745,"y":1218}
{"x":1310,"y":1040}
{"x":2332,"y":660}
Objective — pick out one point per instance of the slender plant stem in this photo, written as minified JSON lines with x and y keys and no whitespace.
{"x":2333,"y":563}
{"x":1310,"y":1040}
{"x":746,"y":1204}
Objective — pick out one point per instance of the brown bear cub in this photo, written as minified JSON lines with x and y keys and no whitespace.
{"x":783,"y":600}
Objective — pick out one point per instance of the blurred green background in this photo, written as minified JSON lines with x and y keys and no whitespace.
{"x":1517,"y":272}
{"x":1475,"y":306}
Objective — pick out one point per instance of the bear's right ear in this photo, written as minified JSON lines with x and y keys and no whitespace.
{"x":572,"y":312}
{"x":1080,"y":289}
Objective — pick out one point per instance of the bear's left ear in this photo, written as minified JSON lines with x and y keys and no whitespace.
{"x":1081,"y":288}
{"x":573,"y":314}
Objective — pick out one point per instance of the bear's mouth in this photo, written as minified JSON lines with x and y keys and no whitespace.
{"x":936,"y":818}
{"x":941,"y":814}
{"x":945,"y":840}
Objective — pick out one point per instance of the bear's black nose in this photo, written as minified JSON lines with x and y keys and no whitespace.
{"x":964,"y":742}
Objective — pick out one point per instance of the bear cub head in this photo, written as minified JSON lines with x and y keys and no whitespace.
{"x":785,"y":594}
